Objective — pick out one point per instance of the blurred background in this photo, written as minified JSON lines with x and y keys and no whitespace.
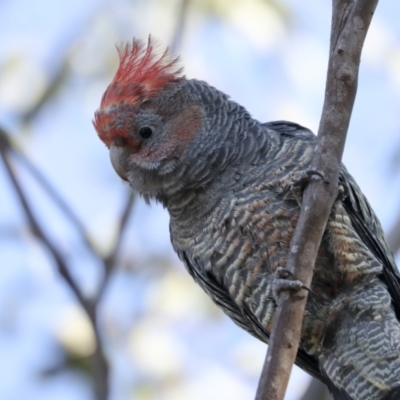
{"x":81,"y":259}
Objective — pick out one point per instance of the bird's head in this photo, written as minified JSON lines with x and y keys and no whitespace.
{"x":147,"y":117}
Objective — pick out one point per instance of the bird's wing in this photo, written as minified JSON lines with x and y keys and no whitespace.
{"x":246,"y":320}
{"x":367,"y":227}
{"x":369,"y":230}
{"x":216,"y":292}
{"x":362,"y":216}
{"x":291,"y":129}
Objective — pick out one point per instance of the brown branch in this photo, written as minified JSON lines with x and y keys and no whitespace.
{"x":350,"y":22}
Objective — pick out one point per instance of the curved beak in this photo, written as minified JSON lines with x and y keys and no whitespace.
{"x":119,"y":156}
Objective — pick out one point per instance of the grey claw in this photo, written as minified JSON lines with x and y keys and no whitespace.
{"x":306,"y":177}
{"x":343,"y":192}
{"x":283,"y":280}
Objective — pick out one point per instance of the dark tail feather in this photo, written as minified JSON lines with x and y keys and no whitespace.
{"x":394,"y":394}
{"x":340,"y":394}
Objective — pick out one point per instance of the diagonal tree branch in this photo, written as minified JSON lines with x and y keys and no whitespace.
{"x":126,"y":213}
{"x":350,"y":22}
{"x":111,"y":258}
{"x":49,"y":189}
{"x":34,"y":224}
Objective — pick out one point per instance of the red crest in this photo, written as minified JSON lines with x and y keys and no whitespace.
{"x":142,"y":72}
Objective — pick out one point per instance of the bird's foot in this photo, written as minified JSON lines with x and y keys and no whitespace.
{"x":284,"y":280}
{"x":301,"y":181}
{"x":307,"y":175}
{"x":343,"y":192}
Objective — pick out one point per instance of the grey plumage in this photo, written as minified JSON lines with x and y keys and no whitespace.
{"x":226,"y":180}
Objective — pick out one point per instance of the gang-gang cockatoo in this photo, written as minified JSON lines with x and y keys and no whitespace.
{"x":225,"y":179}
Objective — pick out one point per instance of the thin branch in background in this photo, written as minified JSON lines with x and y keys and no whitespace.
{"x":393,"y":238}
{"x":99,"y":362}
{"x":110,"y":260}
{"x":394,"y":164}
{"x":100,"y":365}
{"x":177,"y":37}
{"x":56,"y":83}
{"x":61,"y":72}
{"x":33,"y":222}
{"x":126,"y":213}
{"x":350,"y":22}
{"x":53,"y":194}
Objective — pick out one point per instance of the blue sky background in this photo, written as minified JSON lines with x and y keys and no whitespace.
{"x":164,"y":338}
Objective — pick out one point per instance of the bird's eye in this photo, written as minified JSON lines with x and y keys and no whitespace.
{"x":145,"y":132}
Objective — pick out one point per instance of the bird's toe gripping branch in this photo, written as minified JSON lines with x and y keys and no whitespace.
{"x":284,"y":280}
{"x":304,"y":177}
{"x":343,"y":192}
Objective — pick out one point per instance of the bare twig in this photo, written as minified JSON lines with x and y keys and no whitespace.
{"x":34,"y":224}
{"x":100,"y":364}
{"x":176,"y":41}
{"x":110,"y":260}
{"x":126,"y":213}
{"x":56,"y":83}
{"x":350,"y":22}
{"x":49,"y":189}
{"x":393,"y":237}
{"x":107,"y":261}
